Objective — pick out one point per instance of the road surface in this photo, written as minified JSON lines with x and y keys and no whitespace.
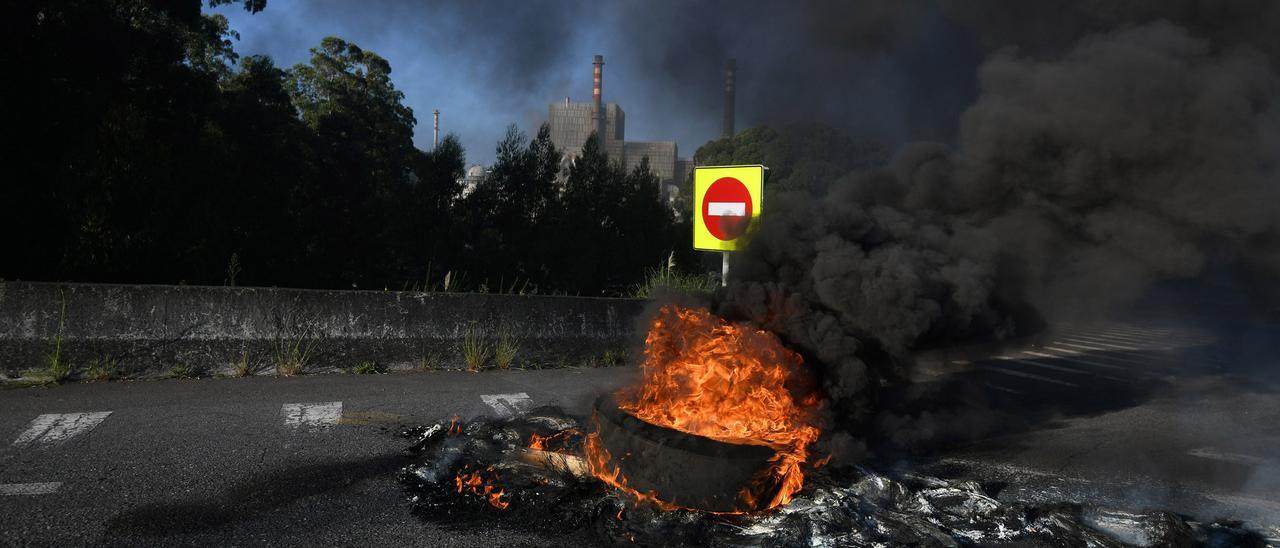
{"x":1129,"y":415}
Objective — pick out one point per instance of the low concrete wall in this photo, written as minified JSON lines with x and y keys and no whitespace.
{"x":148,"y":329}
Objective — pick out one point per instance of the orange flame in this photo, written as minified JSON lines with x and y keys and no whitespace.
{"x":543,"y":443}
{"x":454,"y":427}
{"x":728,"y":382}
{"x":475,"y":484}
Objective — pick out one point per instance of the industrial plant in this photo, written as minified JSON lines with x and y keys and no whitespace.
{"x":571,"y":123}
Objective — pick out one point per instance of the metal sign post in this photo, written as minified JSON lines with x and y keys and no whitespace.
{"x":724,"y":268}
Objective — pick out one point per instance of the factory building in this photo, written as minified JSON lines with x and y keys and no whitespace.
{"x":571,"y":123}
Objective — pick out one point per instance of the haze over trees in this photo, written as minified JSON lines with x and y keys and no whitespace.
{"x":160,"y":155}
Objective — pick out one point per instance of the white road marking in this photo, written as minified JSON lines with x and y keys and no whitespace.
{"x":1045,"y":365}
{"x":508,"y":405}
{"x":1137,"y":330}
{"x":1112,"y":337}
{"x":727,"y":209}
{"x":1070,"y":356}
{"x":1033,"y":377}
{"x":30,"y":488}
{"x":1084,"y":371}
{"x":1100,"y":356}
{"x":1175,"y":340}
{"x":1105,"y":345}
{"x":1088,"y":347}
{"x":313,"y":415}
{"x":51,"y":429}
{"x":1120,"y":336}
{"x":1214,"y":454}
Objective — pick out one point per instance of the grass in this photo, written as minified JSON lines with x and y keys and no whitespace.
{"x":103,"y":368}
{"x":56,"y":369}
{"x":668,"y":278}
{"x":243,"y":367}
{"x":292,"y":356}
{"x":366,"y":367}
{"x":429,"y":362}
{"x":475,"y":350}
{"x":614,"y":358}
{"x":233,"y":269}
{"x":504,"y":351}
{"x":181,"y":371}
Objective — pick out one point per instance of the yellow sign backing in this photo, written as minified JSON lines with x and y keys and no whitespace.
{"x":726,"y":206}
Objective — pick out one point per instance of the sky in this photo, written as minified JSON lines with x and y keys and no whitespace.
{"x":486,"y":64}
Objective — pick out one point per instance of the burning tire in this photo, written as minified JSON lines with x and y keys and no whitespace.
{"x":684,"y":469}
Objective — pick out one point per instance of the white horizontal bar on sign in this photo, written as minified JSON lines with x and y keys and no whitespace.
{"x":727,"y":209}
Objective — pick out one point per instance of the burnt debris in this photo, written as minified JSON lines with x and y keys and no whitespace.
{"x":527,"y":473}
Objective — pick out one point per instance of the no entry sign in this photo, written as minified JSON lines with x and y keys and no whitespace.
{"x":726,"y":205}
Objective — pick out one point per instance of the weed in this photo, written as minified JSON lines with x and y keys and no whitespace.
{"x":181,"y":371}
{"x":366,"y":367}
{"x":103,"y":368}
{"x":56,"y":368}
{"x":233,"y":269}
{"x":292,"y":356}
{"x":504,"y":351}
{"x":614,"y":358}
{"x":243,"y":367}
{"x":428,"y":362}
{"x":475,"y":351}
{"x":668,"y":278}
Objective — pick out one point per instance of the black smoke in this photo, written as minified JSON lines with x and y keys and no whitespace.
{"x":1080,"y":176}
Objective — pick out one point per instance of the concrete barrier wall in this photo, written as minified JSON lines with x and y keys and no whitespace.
{"x":147,"y":329}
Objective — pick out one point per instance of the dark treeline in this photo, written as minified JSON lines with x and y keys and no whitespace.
{"x":144,"y":149}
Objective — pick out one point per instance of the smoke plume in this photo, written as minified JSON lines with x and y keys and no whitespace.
{"x":1077,"y":180}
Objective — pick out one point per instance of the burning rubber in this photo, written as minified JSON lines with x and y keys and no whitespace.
{"x":712,"y":448}
{"x":528,"y":473}
{"x":682,"y":469}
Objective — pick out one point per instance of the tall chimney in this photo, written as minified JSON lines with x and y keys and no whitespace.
{"x":598,"y":108}
{"x":435,"y":124}
{"x":727,"y":126}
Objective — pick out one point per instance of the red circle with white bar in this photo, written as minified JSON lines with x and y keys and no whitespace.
{"x":726,"y":208}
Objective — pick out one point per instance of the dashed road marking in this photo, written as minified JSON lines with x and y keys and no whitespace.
{"x":508,"y":405}
{"x":311,"y":415}
{"x":1025,"y":375}
{"x":1046,"y":366}
{"x":55,"y":428}
{"x":30,"y":488}
{"x":1073,"y":357}
{"x":1214,"y":454}
{"x":1110,"y":357}
{"x":1064,"y":342}
{"x":1144,"y":344}
{"x":1105,"y":345}
{"x":1082,"y":371}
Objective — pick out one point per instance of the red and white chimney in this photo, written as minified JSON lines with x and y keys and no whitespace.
{"x":597,"y":112}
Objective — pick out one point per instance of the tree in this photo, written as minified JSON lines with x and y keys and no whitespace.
{"x":803,"y":156}
{"x":365,"y":140}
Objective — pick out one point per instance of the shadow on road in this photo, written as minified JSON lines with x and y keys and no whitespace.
{"x":1005,"y":396}
{"x":251,"y":498}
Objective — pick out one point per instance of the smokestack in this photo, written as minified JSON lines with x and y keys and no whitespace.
{"x":435,"y":125}
{"x":727,"y":126}
{"x":598,"y":110}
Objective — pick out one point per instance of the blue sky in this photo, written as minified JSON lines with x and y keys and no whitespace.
{"x":485,"y":64}
{"x":440,"y":59}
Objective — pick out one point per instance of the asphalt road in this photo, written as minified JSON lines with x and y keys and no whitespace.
{"x":1143,"y":415}
{"x":1131,"y":416}
{"x":229,"y":462}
